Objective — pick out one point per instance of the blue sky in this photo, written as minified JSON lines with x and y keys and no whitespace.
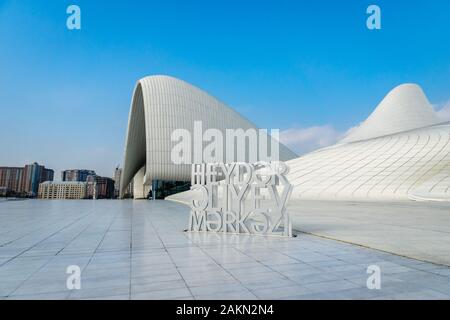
{"x":309,"y":67}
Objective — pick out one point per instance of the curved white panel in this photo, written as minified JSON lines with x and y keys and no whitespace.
{"x":160,"y":105}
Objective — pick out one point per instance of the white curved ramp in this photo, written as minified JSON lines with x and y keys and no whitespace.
{"x":435,"y":189}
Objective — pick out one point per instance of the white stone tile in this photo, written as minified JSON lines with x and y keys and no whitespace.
{"x":162,"y":262}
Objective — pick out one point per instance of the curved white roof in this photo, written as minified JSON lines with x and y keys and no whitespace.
{"x":404,"y":108}
{"x":160,"y":105}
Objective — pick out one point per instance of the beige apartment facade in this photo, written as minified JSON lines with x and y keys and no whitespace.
{"x":62,"y":190}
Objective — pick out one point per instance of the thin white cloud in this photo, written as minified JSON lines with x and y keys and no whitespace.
{"x":443,"y":111}
{"x":303,"y":140}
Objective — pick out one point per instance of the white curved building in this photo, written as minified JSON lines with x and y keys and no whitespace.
{"x":160,"y":105}
{"x":400,"y":152}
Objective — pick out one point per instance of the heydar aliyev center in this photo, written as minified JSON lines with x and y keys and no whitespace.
{"x":400,"y":152}
{"x":161,"y":105}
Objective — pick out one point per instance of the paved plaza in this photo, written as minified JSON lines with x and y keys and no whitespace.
{"x":419,"y":230}
{"x":138,"y":250}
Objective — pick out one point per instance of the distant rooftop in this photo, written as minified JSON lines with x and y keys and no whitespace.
{"x":65,"y":182}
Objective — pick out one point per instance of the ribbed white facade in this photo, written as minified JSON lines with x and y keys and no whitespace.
{"x":400,"y":152}
{"x":160,"y":105}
